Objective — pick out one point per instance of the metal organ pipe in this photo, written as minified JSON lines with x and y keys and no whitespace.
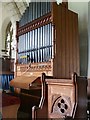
{"x":35,"y":45}
{"x":38,"y":45}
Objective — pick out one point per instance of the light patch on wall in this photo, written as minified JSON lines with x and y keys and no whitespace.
{"x":0,"y":29}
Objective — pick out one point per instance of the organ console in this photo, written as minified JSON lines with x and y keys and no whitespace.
{"x":47,"y":42}
{"x":30,"y":94}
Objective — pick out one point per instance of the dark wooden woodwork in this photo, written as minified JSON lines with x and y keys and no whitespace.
{"x":63,"y":99}
{"x":40,"y":97}
{"x":27,"y":101}
{"x":30,"y":95}
{"x":66,"y":60}
{"x":65,"y":3}
{"x":39,"y":22}
{"x":7,"y":65}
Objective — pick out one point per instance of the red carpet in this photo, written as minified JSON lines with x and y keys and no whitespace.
{"x":9,"y":100}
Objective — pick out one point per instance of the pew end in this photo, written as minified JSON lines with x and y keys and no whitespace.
{"x":64,"y":98}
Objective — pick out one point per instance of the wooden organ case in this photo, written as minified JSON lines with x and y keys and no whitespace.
{"x":47,"y":42}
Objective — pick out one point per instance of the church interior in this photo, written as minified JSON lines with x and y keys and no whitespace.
{"x":44,"y":59}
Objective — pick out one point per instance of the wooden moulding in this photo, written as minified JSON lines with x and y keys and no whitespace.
{"x":45,"y":19}
{"x":34,"y":69}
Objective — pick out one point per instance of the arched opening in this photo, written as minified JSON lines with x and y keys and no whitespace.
{"x":9,"y":40}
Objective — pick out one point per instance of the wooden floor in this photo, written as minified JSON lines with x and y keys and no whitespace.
{"x":10,"y":111}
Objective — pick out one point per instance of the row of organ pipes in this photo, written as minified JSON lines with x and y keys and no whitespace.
{"x":36,"y":45}
{"x":34,"y":11}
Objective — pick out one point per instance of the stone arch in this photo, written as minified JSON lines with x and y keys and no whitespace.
{"x":5,"y":23}
{"x":3,"y":30}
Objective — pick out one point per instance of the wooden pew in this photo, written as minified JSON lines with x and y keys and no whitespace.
{"x":62,"y":98}
{"x":49,"y":97}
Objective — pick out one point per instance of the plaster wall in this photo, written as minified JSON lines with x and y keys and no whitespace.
{"x":89,"y":40}
{"x":82,"y":9}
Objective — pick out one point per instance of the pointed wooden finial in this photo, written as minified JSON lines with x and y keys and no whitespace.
{"x":65,"y":3}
